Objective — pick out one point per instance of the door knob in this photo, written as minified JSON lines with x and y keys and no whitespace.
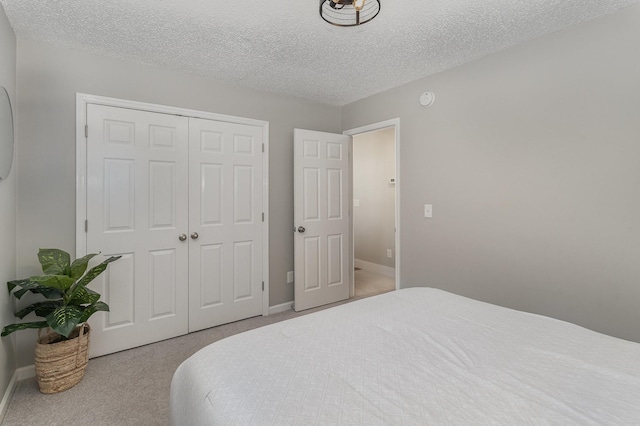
{"x":182,"y":237}
{"x":194,"y":235}
{"x":301,"y":229}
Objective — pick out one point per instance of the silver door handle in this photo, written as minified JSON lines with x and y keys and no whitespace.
{"x":194,"y":235}
{"x":301,"y":229}
{"x":182,"y":237}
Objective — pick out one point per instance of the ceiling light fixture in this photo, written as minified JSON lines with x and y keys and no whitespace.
{"x":349,"y":13}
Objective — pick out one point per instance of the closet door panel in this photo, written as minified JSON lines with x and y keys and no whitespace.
{"x":225,"y":209}
{"x":137,"y":198}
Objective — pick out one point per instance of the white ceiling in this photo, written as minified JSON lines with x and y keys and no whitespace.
{"x":285,"y":47}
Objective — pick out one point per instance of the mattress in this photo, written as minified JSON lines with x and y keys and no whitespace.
{"x":417,"y":356}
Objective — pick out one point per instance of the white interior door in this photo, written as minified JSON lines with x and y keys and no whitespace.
{"x":226,"y":222}
{"x":321,"y":218}
{"x":137,"y":184}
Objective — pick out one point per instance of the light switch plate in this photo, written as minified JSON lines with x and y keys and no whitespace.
{"x":289,"y":277}
{"x":428,"y":210}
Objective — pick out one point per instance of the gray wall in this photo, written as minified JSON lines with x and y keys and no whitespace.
{"x":48,"y":79}
{"x":530,"y":158}
{"x":374,"y":162}
{"x":7,"y":210}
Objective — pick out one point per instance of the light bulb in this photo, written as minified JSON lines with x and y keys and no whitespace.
{"x":358,"y":4}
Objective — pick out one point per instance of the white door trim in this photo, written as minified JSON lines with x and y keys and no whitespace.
{"x":395,"y":123}
{"x":83,"y":99}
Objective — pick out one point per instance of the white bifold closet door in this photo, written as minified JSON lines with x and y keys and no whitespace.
{"x":225,"y":217}
{"x":180,"y":200}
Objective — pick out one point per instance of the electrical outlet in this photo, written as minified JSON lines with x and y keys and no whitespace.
{"x":289,"y":277}
{"x":428,"y":210}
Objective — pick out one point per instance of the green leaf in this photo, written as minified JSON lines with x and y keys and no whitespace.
{"x":27,"y":285}
{"x":17,"y":283}
{"x":49,"y":293}
{"x":64,"y":319}
{"x":23,"y":326}
{"x":96,"y":270}
{"x":24,"y":285}
{"x":83,"y":296}
{"x":58,"y":282}
{"x":41,"y":309}
{"x":54,"y":261}
{"x":79,"y":266}
{"x":64,"y":285}
{"x":90,"y":310}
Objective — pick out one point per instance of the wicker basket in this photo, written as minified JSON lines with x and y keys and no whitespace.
{"x":61,"y":365}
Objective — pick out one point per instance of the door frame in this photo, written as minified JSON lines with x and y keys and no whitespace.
{"x":83,"y":99}
{"x":395,"y":123}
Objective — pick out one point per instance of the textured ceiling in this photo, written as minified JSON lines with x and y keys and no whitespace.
{"x":286,"y":47}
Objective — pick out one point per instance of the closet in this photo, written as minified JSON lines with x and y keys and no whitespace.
{"x":182,"y":200}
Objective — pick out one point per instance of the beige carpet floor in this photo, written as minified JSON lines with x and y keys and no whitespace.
{"x":369,"y":283}
{"x":132,"y":387}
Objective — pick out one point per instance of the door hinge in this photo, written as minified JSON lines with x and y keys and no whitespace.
{"x":262,"y":285}
{"x":86,"y":130}
{"x":263,"y":216}
{"x":262,"y":147}
{"x":86,"y":226}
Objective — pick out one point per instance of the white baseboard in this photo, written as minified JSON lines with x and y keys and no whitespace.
{"x":18,"y":375}
{"x":280,"y":308}
{"x":27,"y":372}
{"x":6,"y":399}
{"x":374,"y":267}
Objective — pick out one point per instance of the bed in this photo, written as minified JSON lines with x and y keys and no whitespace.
{"x":417,"y":356}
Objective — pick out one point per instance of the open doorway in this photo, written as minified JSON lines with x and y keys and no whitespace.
{"x":374,"y":209}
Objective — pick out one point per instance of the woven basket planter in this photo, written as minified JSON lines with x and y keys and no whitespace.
{"x":61,"y":365}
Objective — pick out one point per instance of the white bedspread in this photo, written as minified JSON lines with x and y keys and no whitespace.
{"x":413,"y":357}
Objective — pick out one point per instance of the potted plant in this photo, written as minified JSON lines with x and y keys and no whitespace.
{"x":62,"y":354}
